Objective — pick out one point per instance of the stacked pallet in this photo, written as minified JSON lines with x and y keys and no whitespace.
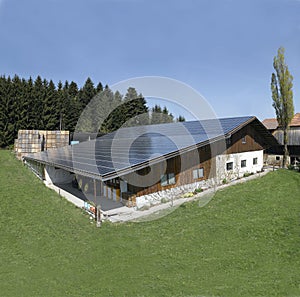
{"x":55,"y":139}
{"x":29,"y":141}
{"x":34,"y":141}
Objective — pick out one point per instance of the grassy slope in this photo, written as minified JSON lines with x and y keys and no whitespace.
{"x":245,"y":242}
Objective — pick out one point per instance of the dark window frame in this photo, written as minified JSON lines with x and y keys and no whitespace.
{"x":228,"y":141}
{"x":243,"y":163}
{"x":229,"y":166}
{"x":168,"y":179}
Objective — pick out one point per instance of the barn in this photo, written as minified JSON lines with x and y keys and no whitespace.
{"x":275,"y":153}
{"x":150,"y":163}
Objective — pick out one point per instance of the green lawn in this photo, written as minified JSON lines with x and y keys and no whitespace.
{"x":245,"y":242}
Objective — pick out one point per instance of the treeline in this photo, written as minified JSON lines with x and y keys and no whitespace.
{"x":40,"y":104}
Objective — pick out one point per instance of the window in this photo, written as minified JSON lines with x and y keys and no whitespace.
{"x":228,"y":141}
{"x":198,"y":173}
{"x":254,"y":161}
{"x":229,"y":166}
{"x":167,"y":179}
{"x":244,"y":139}
{"x":277,"y":158}
{"x":243,"y":163}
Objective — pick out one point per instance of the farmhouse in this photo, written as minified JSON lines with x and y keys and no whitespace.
{"x":156,"y":161}
{"x":275,"y":153}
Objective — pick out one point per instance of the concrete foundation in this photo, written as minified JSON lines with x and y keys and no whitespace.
{"x":57,"y":176}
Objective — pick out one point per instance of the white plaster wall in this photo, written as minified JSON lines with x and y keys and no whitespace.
{"x":271,"y":160}
{"x":53,"y":175}
{"x":238,"y":171}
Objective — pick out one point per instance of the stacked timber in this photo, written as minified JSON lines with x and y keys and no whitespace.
{"x":34,"y":141}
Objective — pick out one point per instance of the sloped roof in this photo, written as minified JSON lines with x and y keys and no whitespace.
{"x":296,"y":120}
{"x":133,"y":148}
{"x":272,"y":124}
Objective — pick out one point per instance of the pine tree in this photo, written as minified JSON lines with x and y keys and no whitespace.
{"x":3,"y":115}
{"x":62,"y":105}
{"x":99,"y":87}
{"x":24,"y":106}
{"x":30,"y":103}
{"x":156,"y":117}
{"x":180,"y":119}
{"x":160,"y":116}
{"x":16,"y":97}
{"x":113,"y":121}
{"x":38,"y":97}
{"x":167,"y":117}
{"x":134,"y":110}
{"x":7,"y":116}
{"x":74,"y":108}
{"x":87,"y":92}
{"x":51,"y":106}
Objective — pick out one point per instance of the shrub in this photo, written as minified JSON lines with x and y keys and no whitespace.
{"x":198,"y":190}
{"x":246,"y":174}
{"x":188,"y":195}
{"x":224,"y":181}
{"x":163,"y":200}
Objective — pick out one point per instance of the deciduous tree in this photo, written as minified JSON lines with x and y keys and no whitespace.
{"x":282,"y":95}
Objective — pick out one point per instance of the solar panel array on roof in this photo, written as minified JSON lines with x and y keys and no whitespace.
{"x":128,"y":147}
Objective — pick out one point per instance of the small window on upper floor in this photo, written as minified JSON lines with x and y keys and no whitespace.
{"x":244,"y":140}
{"x":228,"y":141}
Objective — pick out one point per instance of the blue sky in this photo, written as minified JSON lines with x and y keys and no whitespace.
{"x":222,"y":48}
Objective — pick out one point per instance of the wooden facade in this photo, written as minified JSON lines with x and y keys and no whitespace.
{"x":245,"y":140}
{"x":275,"y":152}
{"x":182,"y":166}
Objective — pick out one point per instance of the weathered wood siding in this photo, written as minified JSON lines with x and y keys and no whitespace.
{"x":182,"y":166}
{"x":253,"y":140}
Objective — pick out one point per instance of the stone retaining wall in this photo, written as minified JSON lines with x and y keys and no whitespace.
{"x":146,"y":201}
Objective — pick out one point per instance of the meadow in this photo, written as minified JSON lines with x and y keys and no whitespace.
{"x":245,"y":242}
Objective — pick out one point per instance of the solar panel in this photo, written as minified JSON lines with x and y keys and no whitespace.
{"x":127,"y":147}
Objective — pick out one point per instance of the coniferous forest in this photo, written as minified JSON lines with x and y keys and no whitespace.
{"x":40,"y":104}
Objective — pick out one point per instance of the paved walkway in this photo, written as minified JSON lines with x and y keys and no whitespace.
{"x":78,"y":198}
{"x":125,"y":214}
{"x":106,"y":204}
{"x":116,"y":212}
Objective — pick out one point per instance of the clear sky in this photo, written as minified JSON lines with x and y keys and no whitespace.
{"x":222,"y":48}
